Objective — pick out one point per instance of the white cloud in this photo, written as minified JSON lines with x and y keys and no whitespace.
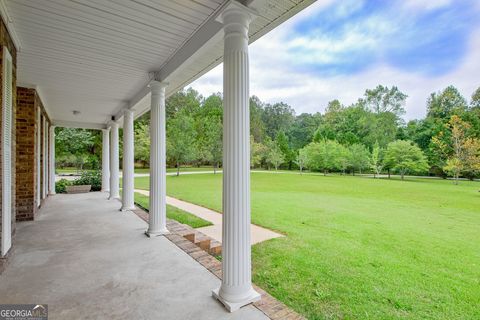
{"x":275,"y":76}
{"x":426,"y":4}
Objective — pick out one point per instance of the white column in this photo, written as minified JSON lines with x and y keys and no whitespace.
{"x":157,"y":218}
{"x":39,"y":151}
{"x":106,"y":160}
{"x":128,"y":162}
{"x":236,"y":289}
{"x":52,"y":161}
{"x":114,"y":179}
{"x":44,"y":157}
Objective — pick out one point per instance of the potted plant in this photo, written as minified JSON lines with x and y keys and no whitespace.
{"x":88,"y":181}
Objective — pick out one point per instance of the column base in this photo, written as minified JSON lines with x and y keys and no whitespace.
{"x":152,"y":234}
{"x":105,"y":190}
{"x":127,"y":208}
{"x":253,"y":296}
{"x":52,"y":193}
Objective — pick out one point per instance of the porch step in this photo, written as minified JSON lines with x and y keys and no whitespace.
{"x":215,"y":248}
{"x":190,"y":236}
{"x":202,"y":241}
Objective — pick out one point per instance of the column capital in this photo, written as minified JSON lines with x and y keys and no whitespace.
{"x":238,"y":10}
{"x":106,"y":130}
{"x":157,"y":86}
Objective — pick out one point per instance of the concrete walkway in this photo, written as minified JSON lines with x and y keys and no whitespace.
{"x":258,"y":234}
{"x":87,"y":260}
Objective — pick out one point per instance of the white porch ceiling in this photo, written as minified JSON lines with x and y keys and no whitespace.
{"x":97,"y":56}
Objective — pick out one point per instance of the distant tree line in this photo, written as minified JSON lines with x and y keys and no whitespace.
{"x":369,"y":135}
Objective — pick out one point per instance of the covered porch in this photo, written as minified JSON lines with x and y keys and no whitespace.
{"x":88,"y":260}
{"x":100,"y":65}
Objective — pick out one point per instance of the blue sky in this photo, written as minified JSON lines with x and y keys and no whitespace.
{"x":337,"y":49}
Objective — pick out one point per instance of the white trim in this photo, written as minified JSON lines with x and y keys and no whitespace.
{"x":7,"y":127}
{"x":81,"y":125}
{"x":9,"y":24}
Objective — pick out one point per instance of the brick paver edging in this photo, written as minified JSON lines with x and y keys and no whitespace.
{"x":270,"y":306}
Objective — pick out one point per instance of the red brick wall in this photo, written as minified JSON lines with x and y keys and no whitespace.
{"x":6,"y":42}
{"x":26,"y":154}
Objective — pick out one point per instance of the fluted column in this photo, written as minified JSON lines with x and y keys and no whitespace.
{"x":44,"y":157}
{"x":128,"y":164}
{"x":157,"y":218}
{"x":52,"y":161}
{"x":106,"y":160}
{"x":114,"y":180}
{"x":39,"y":151}
{"x":236,"y":289}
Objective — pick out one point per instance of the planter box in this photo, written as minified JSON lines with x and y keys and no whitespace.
{"x":79,"y":189}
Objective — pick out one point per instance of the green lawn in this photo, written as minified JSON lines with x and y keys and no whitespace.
{"x":359,"y":248}
{"x":174,"y":213}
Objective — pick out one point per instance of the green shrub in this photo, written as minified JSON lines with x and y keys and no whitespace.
{"x":93,"y":178}
{"x":60,"y":185}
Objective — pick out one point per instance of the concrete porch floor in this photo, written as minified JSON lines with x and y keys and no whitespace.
{"x":87,"y":260}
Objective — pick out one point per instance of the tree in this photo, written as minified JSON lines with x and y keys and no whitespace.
{"x":277,"y":117}
{"x":180,"y":138}
{"x":475,"y":102}
{"x":78,"y":147}
{"x":142,"y":143}
{"x":275,"y":156}
{"x":342,"y":159}
{"x":208,"y":122}
{"x":257,"y":126}
{"x":301,"y":160}
{"x":322,"y":156}
{"x":464,"y":156}
{"x":443,"y":105}
{"x":188,"y":100}
{"x":282,"y":142}
{"x":384,"y":100}
{"x":405,"y":156}
{"x":387,"y":105}
{"x":376,"y":162}
{"x":302,"y":130}
{"x":213,"y":141}
{"x":359,"y":157}
{"x":258,"y":153}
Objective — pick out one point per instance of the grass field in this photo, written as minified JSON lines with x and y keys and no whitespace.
{"x":359,"y":248}
{"x":174,"y":213}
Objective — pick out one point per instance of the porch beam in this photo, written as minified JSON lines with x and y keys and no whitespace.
{"x":80,"y":125}
{"x":114,"y":162}
{"x":204,"y":38}
{"x":157,"y":218}
{"x":236,"y":289}
{"x":106,"y":160}
{"x":128,"y":162}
